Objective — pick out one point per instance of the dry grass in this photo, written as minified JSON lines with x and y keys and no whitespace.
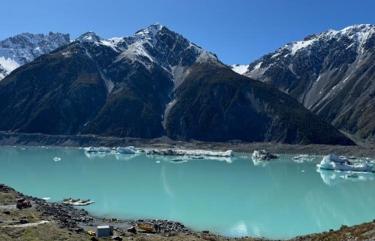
{"x":44,"y":232}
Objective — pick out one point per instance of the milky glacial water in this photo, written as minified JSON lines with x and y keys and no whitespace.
{"x":232,"y":197}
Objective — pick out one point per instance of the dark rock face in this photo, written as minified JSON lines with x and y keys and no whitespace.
{"x":151,"y":84}
{"x":51,"y":95}
{"x":331,"y":73}
{"x":216,"y":104}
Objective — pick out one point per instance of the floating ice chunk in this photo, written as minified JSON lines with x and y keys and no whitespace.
{"x":262,"y":155}
{"x":91,"y":152}
{"x":94,"y":152}
{"x":189,"y":152}
{"x":127,"y":150}
{"x":180,"y":157}
{"x":97,"y":149}
{"x":46,"y":198}
{"x":340,"y":163}
{"x":186,"y":154}
{"x":56,"y":159}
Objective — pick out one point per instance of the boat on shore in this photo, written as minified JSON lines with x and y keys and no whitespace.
{"x":77,"y":202}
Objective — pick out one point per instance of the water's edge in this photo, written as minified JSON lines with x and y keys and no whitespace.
{"x":23,"y":139}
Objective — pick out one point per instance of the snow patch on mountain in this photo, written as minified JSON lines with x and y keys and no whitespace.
{"x":240,"y":68}
{"x":8,"y":65}
{"x":295,"y":47}
{"x":136,"y":52}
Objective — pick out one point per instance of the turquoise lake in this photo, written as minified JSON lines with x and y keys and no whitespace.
{"x":231,"y":197}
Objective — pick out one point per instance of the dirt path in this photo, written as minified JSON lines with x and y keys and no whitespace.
{"x":8,"y":207}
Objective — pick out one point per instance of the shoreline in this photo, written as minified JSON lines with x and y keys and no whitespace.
{"x":23,"y":139}
{"x":80,"y":221}
{"x":75,"y":223}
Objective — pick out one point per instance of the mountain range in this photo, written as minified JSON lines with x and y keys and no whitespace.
{"x":151,"y":84}
{"x":24,"y":48}
{"x":331,"y":73}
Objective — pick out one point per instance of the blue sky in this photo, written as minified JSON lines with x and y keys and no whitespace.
{"x":238,"y":31}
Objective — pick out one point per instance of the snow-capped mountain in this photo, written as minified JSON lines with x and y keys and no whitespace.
{"x":24,"y":48}
{"x":155,"y":45}
{"x":331,"y":73}
{"x":151,"y":84}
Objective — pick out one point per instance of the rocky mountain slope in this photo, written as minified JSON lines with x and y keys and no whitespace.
{"x":331,"y":73}
{"x":151,"y":84}
{"x":24,"y":48}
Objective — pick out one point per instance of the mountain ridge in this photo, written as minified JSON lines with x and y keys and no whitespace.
{"x":144,"y":86}
{"x":330,"y":73}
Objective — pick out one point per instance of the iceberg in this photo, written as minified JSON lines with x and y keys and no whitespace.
{"x":262,"y":155}
{"x":184,"y":155}
{"x":187,"y":152}
{"x":127,"y":150}
{"x":340,"y":163}
{"x":130,"y":151}
{"x":97,"y":149}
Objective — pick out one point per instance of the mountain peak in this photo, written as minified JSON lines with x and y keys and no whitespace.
{"x":150,"y":32}
{"x":89,"y":37}
{"x":153,"y":29}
